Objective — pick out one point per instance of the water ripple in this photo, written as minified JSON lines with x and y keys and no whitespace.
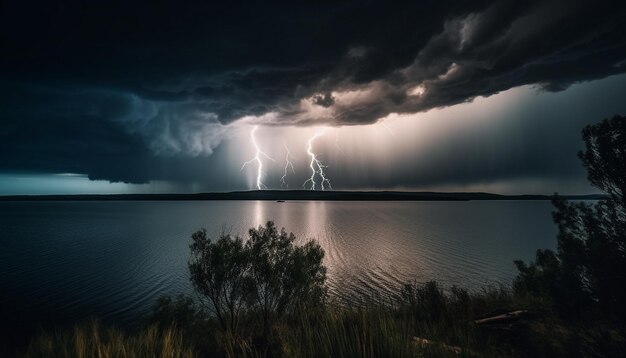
{"x":64,"y":260}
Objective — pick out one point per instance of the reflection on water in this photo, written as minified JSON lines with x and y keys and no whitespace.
{"x":110,"y":259}
{"x":259,"y":217}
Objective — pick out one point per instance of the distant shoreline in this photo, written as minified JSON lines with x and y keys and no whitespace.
{"x":291,"y":195}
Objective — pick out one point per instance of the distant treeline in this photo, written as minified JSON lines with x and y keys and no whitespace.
{"x":274,"y":195}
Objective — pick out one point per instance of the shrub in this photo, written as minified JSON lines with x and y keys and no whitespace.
{"x":283,"y":276}
{"x":268,"y":274}
{"x":219,"y":272}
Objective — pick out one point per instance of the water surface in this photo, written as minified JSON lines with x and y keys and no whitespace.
{"x":66,"y":261}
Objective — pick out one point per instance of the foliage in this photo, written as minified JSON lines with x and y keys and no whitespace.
{"x":586,"y":274}
{"x":268,"y":274}
{"x":283,"y":276}
{"x":220,"y":271}
{"x":605,"y":156}
{"x":181,"y":310}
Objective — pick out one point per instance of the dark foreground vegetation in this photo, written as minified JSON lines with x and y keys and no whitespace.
{"x":424,"y":322}
{"x":266,"y":296}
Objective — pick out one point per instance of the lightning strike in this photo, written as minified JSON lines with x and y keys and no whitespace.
{"x":257,"y":158}
{"x":316,"y":165}
{"x":288,"y":164}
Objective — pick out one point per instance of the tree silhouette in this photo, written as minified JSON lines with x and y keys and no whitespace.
{"x":268,"y":273}
{"x":605,"y":157}
{"x":219,"y":271}
{"x":283,"y":275}
{"x":588,"y":271}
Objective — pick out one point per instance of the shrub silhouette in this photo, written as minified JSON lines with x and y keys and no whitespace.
{"x":283,"y":276}
{"x":588,"y":272}
{"x":268,"y":273}
{"x":219,"y":272}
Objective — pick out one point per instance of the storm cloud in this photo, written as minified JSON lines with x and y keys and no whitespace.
{"x":126,"y":91}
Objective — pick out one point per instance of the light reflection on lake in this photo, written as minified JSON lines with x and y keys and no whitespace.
{"x":70,"y":260}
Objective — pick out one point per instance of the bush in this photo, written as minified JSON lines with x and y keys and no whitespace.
{"x":220,"y":272}
{"x":268,"y":274}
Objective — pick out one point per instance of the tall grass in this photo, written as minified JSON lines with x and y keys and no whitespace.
{"x":345,"y":332}
{"x":425,"y":321}
{"x":92,"y":340}
{"x":358,"y":332}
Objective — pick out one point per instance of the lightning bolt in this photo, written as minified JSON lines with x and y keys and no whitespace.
{"x":257,"y":158}
{"x":288,"y":164}
{"x":316,"y":165}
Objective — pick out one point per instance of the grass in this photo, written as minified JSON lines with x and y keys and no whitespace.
{"x":425,"y":321}
{"x":93,"y":340}
{"x":337,"y":332}
{"x":362,"y":332}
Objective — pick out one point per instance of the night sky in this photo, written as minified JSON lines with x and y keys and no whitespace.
{"x":123,"y":96}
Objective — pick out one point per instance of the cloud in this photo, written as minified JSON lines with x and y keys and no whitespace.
{"x":324,"y":100}
{"x":173,"y":128}
{"x":105,"y":134}
{"x":156,"y":82}
{"x":251,"y":60}
{"x":550,"y":44}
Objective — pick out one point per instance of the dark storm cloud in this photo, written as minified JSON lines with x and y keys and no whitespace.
{"x":325,"y":100}
{"x":118,"y":90}
{"x":504,"y":45}
{"x":105,"y":134}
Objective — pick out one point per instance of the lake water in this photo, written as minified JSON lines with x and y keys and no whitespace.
{"x":67,"y":261}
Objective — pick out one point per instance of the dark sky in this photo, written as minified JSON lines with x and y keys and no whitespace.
{"x":167,"y":92}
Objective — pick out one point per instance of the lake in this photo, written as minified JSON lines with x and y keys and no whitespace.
{"x":67,"y":261}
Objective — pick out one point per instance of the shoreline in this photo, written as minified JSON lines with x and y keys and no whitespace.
{"x":292,"y":195}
